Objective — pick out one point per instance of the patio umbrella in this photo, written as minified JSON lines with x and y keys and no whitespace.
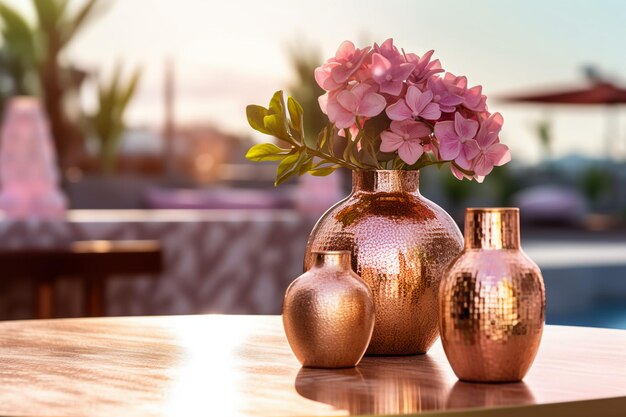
{"x":600,"y":92}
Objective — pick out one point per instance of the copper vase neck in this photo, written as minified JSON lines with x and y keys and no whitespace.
{"x":340,"y":259}
{"x":387,"y":181}
{"x":492,"y":228}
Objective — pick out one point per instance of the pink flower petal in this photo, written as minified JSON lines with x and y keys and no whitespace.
{"x":412,"y":98}
{"x":348,"y":101}
{"x":465,"y":128}
{"x":390,"y":142}
{"x":417,"y":129}
{"x":410,"y":151}
{"x":463,"y":162}
{"x":338,"y":115}
{"x":399,"y":111}
{"x":345,"y":51}
{"x":470,"y":149}
{"x":372,"y":105}
{"x":489,"y":130}
{"x":380,"y":66}
{"x":431,"y":112}
{"x":423,"y":100}
{"x":444,"y":131}
{"x":401,"y":72}
{"x":498,"y":154}
{"x":449,"y":150}
{"x":342,"y":73}
{"x":474,"y":100}
{"x":393,"y":88}
{"x":457,"y":173}
{"x":482,"y":165}
{"x":323,"y":102}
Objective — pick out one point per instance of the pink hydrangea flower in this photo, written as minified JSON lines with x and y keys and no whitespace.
{"x":336,"y":72}
{"x":349,"y":59}
{"x":360,"y":99}
{"x":323,"y":78}
{"x":491,"y":151}
{"x":405,"y":137}
{"x":388,"y":75}
{"x":448,"y":92}
{"x":389,"y":51}
{"x":456,"y":140}
{"x":460,"y":175}
{"x":475,"y":100}
{"x":362,"y":83}
{"x":415,"y":104}
{"x":424,"y":67}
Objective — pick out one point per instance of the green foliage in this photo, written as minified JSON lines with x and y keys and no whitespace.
{"x":266,"y":152}
{"x":317,"y":156}
{"x":56,"y":22}
{"x":305,"y":155}
{"x":108,"y":122}
{"x":596,"y":182}
{"x":543,"y":129}
{"x":18,"y":56}
{"x":304,"y":59}
{"x":30,"y":60}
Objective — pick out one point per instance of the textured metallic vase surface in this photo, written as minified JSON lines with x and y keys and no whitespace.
{"x":400,"y":243}
{"x":328,"y":313}
{"x":492,"y":301}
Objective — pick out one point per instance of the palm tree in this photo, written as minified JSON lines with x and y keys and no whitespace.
{"x":108,"y":122}
{"x":35,"y":64}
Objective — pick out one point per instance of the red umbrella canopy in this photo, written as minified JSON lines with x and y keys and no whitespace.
{"x":597,"y":93}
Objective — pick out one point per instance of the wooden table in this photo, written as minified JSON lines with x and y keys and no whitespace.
{"x":241,"y":365}
{"x":92,"y":261}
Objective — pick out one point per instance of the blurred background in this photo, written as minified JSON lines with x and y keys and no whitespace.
{"x":146,"y":99}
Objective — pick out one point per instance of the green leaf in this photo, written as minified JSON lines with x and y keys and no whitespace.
{"x":306,"y":166}
{"x":255,"y":115}
{"x":277,"y":105}
{"x":89,"y":10}
{"x":322,"y":172}
{"x":295,"y":115}
{"x":130,"y":90}
{"x":322,"y":140}
{"x":277,"y":126}
{"x":266,"y":152}
{"x":275,"y":120}
{"x":286,"y":168}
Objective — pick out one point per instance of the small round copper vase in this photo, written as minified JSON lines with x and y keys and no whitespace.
{"x":400,"y":244}
{"x":492,"y":301}
{"x":328,"y":313}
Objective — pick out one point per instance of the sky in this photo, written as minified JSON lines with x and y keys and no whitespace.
{"x":228,"y":54}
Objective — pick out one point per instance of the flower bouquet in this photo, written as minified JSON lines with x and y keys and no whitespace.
{"x":393,"y":110}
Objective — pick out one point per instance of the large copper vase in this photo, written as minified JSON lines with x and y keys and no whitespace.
{"x":400,"y":243}
{"x":492,"y":301}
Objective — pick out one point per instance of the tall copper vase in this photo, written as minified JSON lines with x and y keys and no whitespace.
{"x":492,"y":301}
{"x":400,"y":243}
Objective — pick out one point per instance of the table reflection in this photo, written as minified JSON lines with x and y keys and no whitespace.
{"x":472,"y":395}
{"x":379,"y":385}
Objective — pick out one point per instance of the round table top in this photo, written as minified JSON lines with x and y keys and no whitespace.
{"x":242,"y":366}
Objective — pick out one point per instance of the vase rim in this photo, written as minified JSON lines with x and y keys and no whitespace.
{"x":331,"y":252}
{"x":333,"y":258}
{"x":492,"y":228}
{"x":491,"y":209}
{"x":385,"y":180}
{"x":416,"y":171}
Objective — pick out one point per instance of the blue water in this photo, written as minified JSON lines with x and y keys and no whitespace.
{"x":610,"y":315}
